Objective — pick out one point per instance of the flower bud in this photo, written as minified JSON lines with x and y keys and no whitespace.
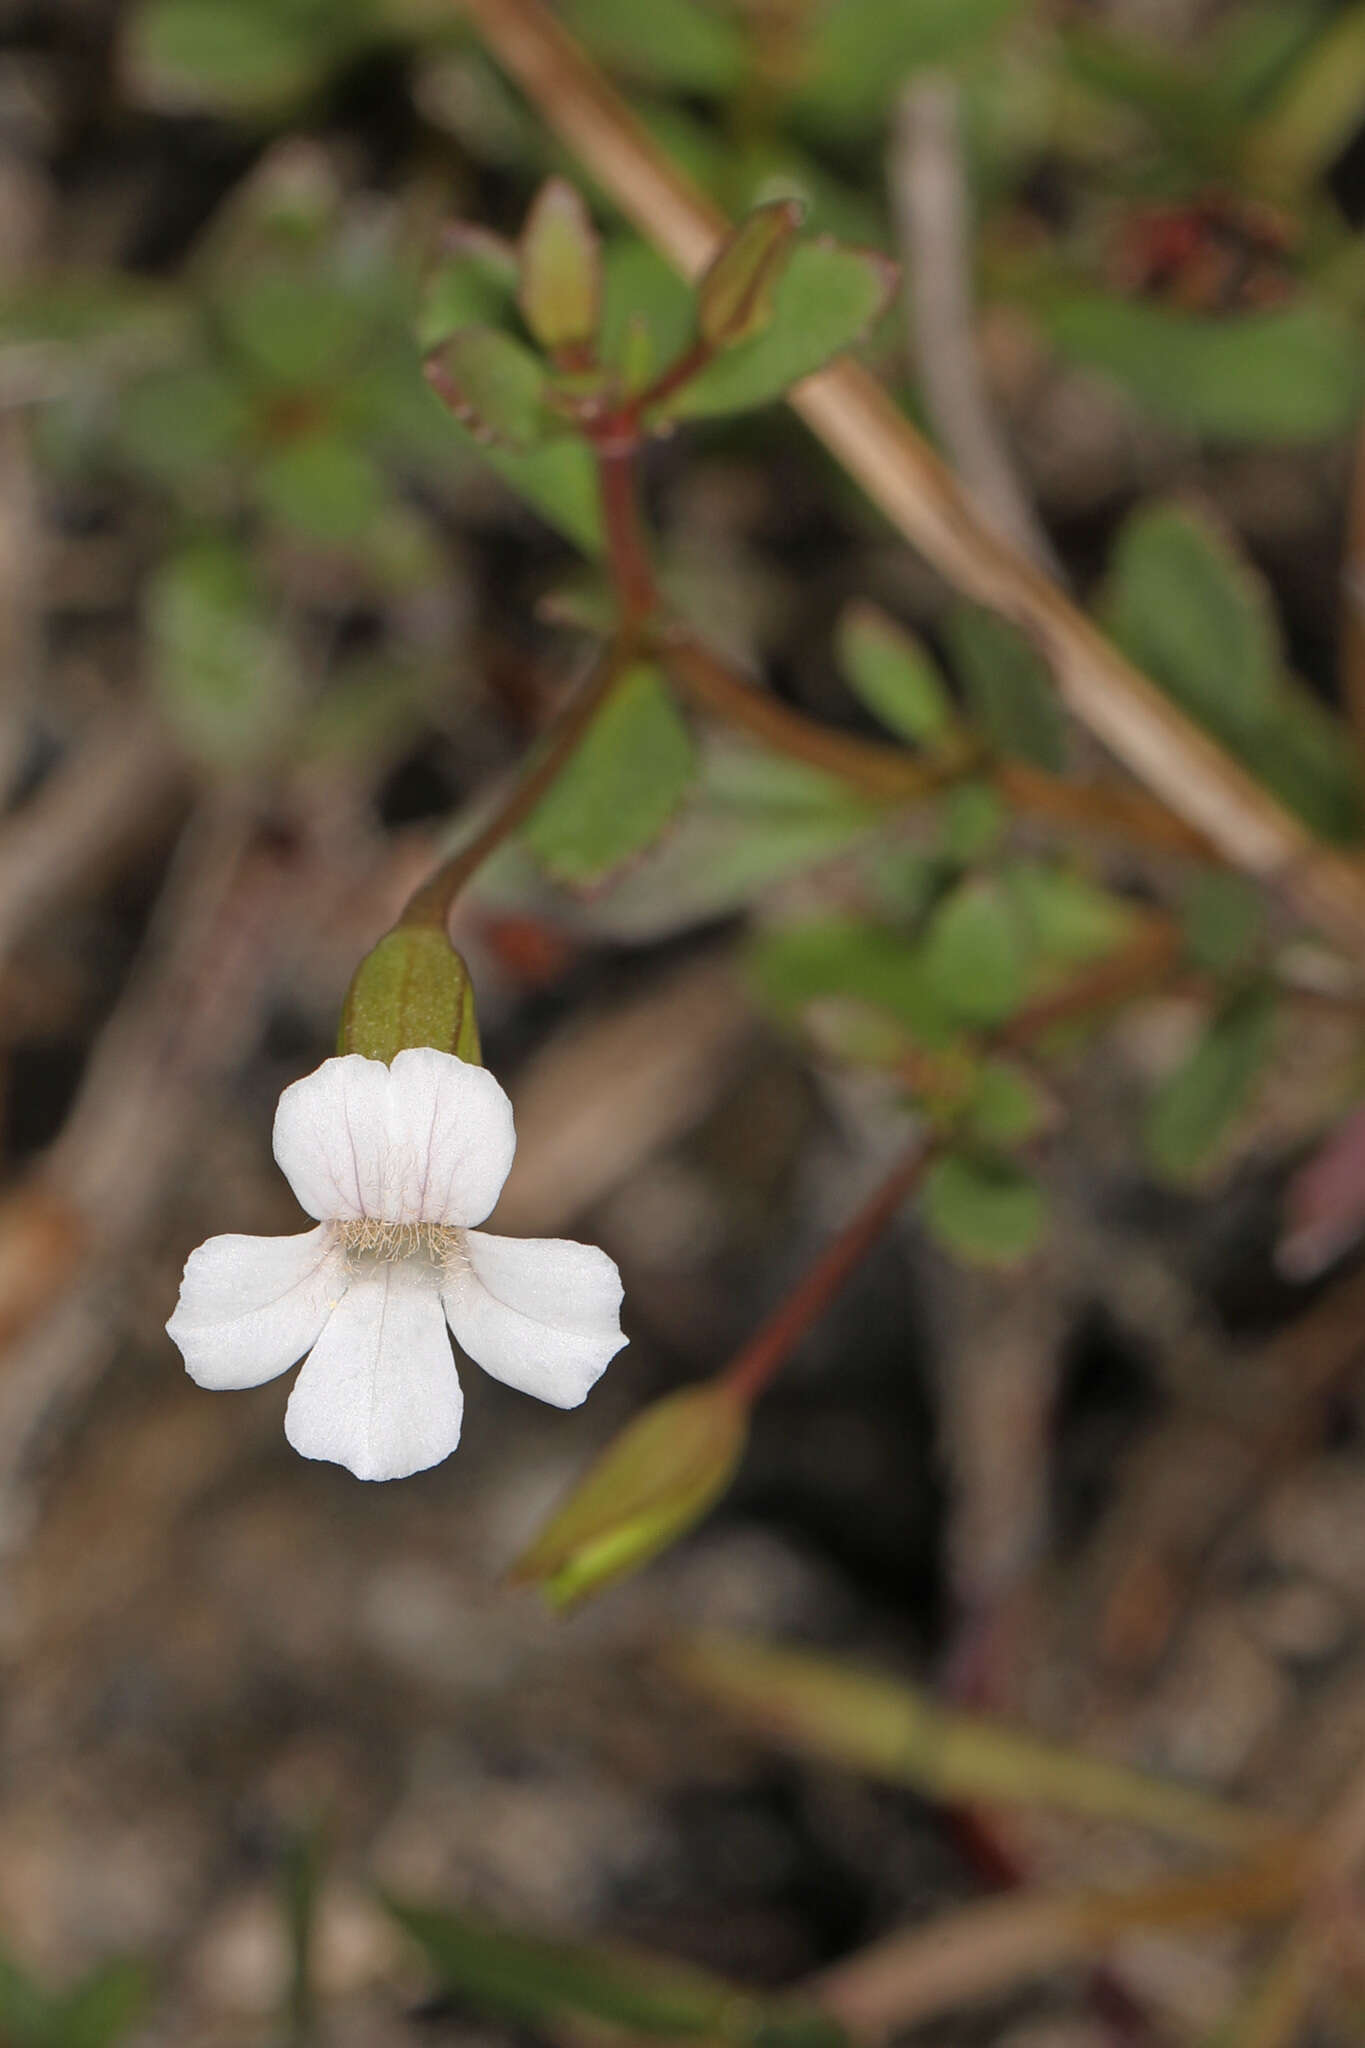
{"x":735,"y":296}
{"x":648,"y":1487}
{"x":412,"y":989}
{"x":561,"y":269}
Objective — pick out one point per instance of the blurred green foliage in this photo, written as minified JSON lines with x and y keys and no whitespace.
{"x":1160,"y":215}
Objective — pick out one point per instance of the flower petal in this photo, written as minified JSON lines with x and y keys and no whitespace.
{"x":250,"y":1307}
{"x":426,"y":1140}
{"x":451,"y":1139}
{"x":541,"y":1313}
{"x":379,"y":1392}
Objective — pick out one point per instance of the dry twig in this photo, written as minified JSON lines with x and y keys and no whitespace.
{"x":981,"y":1950}
{"x":933,"y":217}
{"x":120,"y":780}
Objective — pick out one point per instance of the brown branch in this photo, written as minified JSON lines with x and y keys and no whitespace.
{"x":867,"y":432}
{"x":119,"y":782}
{"x":981,"y":1950}
{"x":1281,"y":2002}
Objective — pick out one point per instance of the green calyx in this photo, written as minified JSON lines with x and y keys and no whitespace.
{"x":412,"y":989}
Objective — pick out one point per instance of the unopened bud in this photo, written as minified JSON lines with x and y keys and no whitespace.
{"x":735,"y":296}
{"x":649,"y":1486}
{"x":412,"y":989}
{"x":561,"y":269}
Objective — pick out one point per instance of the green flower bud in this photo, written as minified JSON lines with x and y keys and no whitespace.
{"x":412,"y":989}
{"x":735,"y":296}
{"x":561,"y":269}
{"x":651,"y":1483}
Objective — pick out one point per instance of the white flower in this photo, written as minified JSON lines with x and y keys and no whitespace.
{"x":397,"y":1163}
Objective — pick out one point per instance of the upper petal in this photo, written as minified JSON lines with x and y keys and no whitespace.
{"x":541,"y":1313}
{"x":379,"y":1392}
{"x":250,"y":1307}
{"x":428,"y":1139}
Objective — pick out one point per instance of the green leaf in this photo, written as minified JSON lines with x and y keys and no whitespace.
{"x":621,"y":786}
{"x":252,"y":57}
{"x":493,"y":386}
{"x":851,"y":958}
{"x":1292,"y":374}
{"x":1223,"y":919}
{"x":1073,"y":921}
{"x":974,"y":818}
{"x":974,"y":953}
{"x":473,"y":283}
{"x":293,"y":329}
{"x":751,"y":820}
{"x":178,"y":424}
{"x":892,"y":674}
{"x":529,"y":1978}
{"x":1317,"y":113}
{"x":322,"y":487}
{"x":826,"y":300}
{"x":27,"y":2009}
{"x":1008,"y":686}
{"x":638,"y":285}
{"x":863,"y":1720}
{"x":1194,"y":613}
{"x":104,"y":316}
{"x":1195,"y":1107}
{"x":1007,"y":1107}
{"x":861,"y":51}
{"x":1188,"y":609}
{"x":983,"y":1208}
{"x":1302,"y":753}
{"x":681,"y":44}
{"x":103,"y":2008}
{"x":559,"y":480}
{"x":561,"y":268}
{"x":224,"y":673}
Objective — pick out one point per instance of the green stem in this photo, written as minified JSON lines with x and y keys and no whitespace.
{"x":432,"y":903}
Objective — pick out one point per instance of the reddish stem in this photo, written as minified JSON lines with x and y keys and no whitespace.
{"x":627,"y":550}
{"x":679,"y":372}
{"x":751,"y":1369}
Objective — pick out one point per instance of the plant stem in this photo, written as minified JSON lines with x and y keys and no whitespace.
{"x":633,"y":576}
{"x":679,"y":372}
{"x":891,"y":774}
{"x":632,"y":572}
{"x":431,"y":904}
{"x":888,"y":773}
{"x":757,"y":1362}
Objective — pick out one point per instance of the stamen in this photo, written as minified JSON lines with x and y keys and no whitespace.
{"x":374,"y":1238}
